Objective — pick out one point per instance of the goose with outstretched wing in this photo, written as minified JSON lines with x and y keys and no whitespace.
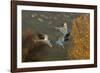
{"x":44,"y":40}
{"x":64,"y":35}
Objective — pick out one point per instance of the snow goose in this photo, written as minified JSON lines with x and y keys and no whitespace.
{"x":43,"y":39}
{"x":64,"y":36}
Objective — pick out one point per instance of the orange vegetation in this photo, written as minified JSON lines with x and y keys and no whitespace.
{"x":80,"y":35}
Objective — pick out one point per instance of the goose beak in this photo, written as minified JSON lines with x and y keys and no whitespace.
{"x":49,"y":44}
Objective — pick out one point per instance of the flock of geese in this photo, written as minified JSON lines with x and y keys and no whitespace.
{"x":60,"y":40}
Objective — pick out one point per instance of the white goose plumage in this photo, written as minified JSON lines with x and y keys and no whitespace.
{"x":45,"y":40}
{"x":64,"y":32}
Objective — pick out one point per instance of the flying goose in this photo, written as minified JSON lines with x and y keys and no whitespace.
{"x":44,"y":39}
{"x":64,"y":36}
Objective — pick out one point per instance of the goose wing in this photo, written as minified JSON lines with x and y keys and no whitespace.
{"x":60,"y":41}
{"x":63,"y":29}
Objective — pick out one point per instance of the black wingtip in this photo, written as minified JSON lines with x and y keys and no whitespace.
{"x":67,"y":35}
{"x":66,"y":39}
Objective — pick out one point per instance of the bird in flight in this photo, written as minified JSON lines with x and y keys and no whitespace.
{"x":64,"y":36}
{"x":44,"y":39}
